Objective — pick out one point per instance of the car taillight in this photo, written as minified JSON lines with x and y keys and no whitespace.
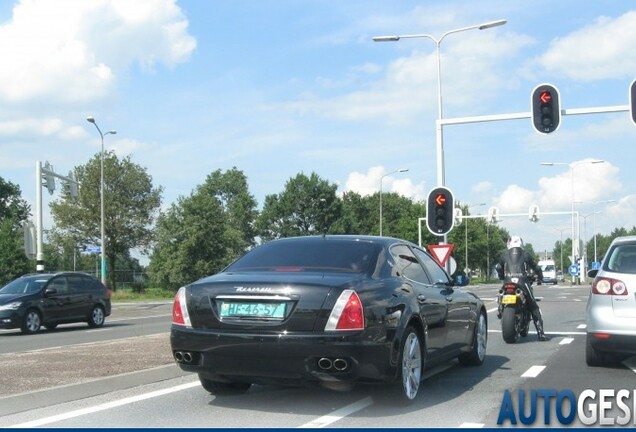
{"x":180,"y":314}
{"x":609,"y":286}
{"x":347,"y":313}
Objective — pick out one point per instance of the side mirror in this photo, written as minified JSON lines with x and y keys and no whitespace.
{"x":49,"y":291}
{"x":592,"y":273}
{"x":460,"y":279}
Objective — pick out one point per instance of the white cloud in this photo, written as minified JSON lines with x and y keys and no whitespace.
{"x":369,"y":183}
{"x":40,"y":127}
{"x":599,"y":51}
{"x":75,"y":50}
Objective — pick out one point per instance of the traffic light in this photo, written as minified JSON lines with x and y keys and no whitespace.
{"x":546,"y":108}
{"x":440,"y":216}
{"x":632,"y":100}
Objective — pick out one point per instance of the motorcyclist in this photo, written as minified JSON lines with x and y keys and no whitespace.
{"x":516,"y":262}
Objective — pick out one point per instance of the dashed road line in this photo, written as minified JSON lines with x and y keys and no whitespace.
{"x":581,"y":326}
{"x":533,"y":372}
{"x":566,"y":341}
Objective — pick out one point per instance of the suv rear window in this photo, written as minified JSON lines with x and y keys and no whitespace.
{"x":315,"y":255}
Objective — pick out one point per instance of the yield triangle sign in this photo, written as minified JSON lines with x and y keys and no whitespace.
{"x":441,"y":252}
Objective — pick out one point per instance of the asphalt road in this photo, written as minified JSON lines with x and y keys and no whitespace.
{"x":452,"y":396}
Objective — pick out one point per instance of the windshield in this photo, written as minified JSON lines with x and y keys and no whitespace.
{"x":547,"y":268}
{"x":24,"y":286}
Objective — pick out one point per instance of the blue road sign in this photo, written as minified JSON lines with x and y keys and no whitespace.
{"x":574,"y":270}
{"x":596,"y":265}
{"x":93,"y":249}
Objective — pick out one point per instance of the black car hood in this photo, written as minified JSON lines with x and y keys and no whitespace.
{"x":10,"y":298}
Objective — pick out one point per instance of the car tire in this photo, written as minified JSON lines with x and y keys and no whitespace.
{"x":218,"y":388}
{"x":97,"y":317}
{"x":508,"y":325}
{"x":477,"y":354}
{"x":31,"y":322}
{"x":411,"y":364}
{"x":593,"y":357}
{"x":50,"y":326}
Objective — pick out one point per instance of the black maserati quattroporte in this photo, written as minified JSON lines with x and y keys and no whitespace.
{"x":334,"y":310}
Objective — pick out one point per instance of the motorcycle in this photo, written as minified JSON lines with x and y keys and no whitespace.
{"x":512,"y":310}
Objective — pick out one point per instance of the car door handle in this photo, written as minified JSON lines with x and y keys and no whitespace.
{"x":421,"y":298}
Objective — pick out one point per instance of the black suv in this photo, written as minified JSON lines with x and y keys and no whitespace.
{"x":49,"y":299}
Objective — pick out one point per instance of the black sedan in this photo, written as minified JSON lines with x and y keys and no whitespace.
{"x":333,"y":310}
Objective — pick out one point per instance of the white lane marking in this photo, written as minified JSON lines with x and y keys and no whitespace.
{"x":339,"y":414}
{"x":491,"y":310}
{"x":472,"y":425}
{"x":630,"y":363}
{"x":533,"y":372}
{"x":548,"y":332}
{"x":138,"y":318}
{"x":100,"y":330}
{"x":566,"y":341}
{"x":578,"y":300}
{"x":104,"y":406}
{"x":581,"y":326}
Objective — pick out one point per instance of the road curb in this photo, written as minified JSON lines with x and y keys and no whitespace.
{"x":70,"y":392}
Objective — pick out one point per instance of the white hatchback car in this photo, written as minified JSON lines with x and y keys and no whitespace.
{"x":611,"y":307}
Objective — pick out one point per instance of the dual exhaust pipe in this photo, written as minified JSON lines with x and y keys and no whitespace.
{"x":337,"y":364}
{"x":183,"y":356}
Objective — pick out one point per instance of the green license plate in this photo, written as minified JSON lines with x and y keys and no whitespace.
{"x":252,"y":310}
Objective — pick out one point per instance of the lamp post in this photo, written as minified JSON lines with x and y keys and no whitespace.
{"x":572,"y":165}
{"x":102,"y":246}
{"x":401,"y":170}
{"x":439,"y":138}
{"x":561,"y":248}
{"x":466,"y":233}
{"x":594,"y":212}
{"x":437,"y":42}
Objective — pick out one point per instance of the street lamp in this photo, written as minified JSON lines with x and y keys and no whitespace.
{"x":561,"y":249}
{"x":439,"y":139}
{"x":102,"y":246}
{"x":439,"y":136}
{"x":572,"y":165}
{"x":466,"y":232}
{"x":594,"y":212}
{"x":401,"y":170}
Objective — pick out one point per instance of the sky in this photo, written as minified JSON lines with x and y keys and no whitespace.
{"x":279,"y":87}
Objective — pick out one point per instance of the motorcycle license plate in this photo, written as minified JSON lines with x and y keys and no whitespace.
{"x":509,"y":299}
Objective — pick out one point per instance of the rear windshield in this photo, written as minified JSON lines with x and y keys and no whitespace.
{"x":622,"y":259}
{"x":23,"y":286}
{"x":316,"y":255}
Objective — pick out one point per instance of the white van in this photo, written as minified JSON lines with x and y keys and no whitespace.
{"x":549,"y":271}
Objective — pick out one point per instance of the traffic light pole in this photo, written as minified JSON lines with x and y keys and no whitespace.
{"x":47,"y":174}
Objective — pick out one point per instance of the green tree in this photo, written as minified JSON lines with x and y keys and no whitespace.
{"x":307,"y":206}
{"x":131,"y":204}
{"x":13,"y":211}
{"x":204,"y":232}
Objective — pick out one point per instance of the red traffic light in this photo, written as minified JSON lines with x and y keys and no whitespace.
{"x":545,"y":96}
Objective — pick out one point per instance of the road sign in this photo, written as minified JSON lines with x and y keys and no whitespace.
{"x":441,"y":252}
{"x":596,"y":265}
{"x":574,"y":270}
{"x":93,"y":249}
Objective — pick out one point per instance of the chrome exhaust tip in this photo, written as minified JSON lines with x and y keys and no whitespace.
{"x":325,"y":363}
{"x":340,"y":364}
{"x":178,"y":356}
{"x":187,"y":357}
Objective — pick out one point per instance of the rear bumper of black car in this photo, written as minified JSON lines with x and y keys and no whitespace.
{"x":282,"y":359}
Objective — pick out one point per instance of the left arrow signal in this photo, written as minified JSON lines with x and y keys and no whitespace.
{"x":440,"y":199}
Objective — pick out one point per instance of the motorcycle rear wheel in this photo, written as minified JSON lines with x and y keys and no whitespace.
{"x":509,"y":325}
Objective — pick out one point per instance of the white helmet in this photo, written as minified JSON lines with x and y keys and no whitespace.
{"x":514,"y":241}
